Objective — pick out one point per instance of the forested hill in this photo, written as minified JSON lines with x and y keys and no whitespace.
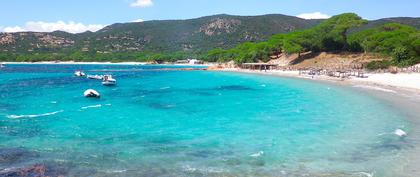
{"x":165,"y":40}
{"x":339,"y":34}
{"x":199,"y":34}
{"x":414,"y":22}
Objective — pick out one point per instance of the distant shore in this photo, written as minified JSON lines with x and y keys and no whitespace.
{"x":104,"y":63}
{"x":77,"y":63}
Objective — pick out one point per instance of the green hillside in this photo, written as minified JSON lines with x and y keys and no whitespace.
{"x":164,"y":40}
{"x":401,"y":42}
{"x":199,"y":34}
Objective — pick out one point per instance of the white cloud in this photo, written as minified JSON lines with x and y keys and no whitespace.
{"x":138,"y":20}
{"x":12,"y":29}
{"x":142,"y":3}
{"x":40,"y":26}
{"x":315,"y":15}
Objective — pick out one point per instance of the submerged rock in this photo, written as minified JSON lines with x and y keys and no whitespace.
{"x":36,"y":170}
{"x":14,"y":155}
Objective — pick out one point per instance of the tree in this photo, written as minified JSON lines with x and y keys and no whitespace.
{"x":292,"y":47}
{"x":400,"y":54}
{"x":399,"y":41}
{"x":334,"y":30}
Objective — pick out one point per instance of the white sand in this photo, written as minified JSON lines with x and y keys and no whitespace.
{"x":402,"y":80}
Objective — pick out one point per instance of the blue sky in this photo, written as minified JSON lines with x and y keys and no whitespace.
{"x":79,"y":15}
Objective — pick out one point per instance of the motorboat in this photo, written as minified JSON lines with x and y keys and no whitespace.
{"x":79,"y":73}
{"x":97,"y":77}
{"x":91,"y":93}
{"x":108,"y":80}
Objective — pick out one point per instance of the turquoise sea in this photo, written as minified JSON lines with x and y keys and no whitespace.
{"x":192,"y":123}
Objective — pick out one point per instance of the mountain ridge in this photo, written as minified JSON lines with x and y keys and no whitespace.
{"x":187,"y":35}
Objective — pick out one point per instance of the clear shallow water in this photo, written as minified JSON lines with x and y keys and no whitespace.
{"x":193,"y":123}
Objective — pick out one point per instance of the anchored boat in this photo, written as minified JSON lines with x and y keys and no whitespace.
{"x":109,"y":81}
{"x":79,"y":73}
{"x":91,"y":93}
{"x":97,"y":77}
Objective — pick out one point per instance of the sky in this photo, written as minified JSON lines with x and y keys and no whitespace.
{"x":80,"y":15}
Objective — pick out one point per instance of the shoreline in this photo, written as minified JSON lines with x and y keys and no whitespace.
{"x":406,"y":100}
{"x":385,"y":82}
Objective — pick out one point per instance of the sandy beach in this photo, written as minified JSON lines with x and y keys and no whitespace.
{"x":379,"y":81}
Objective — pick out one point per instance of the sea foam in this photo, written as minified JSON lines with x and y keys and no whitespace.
{"x":33,"y":115}
{"x":92,"y":106}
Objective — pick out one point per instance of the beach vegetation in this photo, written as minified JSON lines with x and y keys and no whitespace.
{"x":375,"y":65}
{"x":401,"y":42}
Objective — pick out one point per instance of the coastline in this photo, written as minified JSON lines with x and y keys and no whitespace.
{"x":391,"y":89}
{"x":77,"y":63}
{"x":97,"y":63}
{"x":386,"y":82}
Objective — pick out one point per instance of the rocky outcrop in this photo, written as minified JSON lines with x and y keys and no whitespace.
{"x":219,"y":26}
{"x":6,"y":38}
{"x":30,"y":41}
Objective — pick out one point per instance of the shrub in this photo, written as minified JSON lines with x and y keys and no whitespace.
{"x":374,"y":65}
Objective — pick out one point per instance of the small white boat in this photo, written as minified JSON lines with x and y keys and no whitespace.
{"x":91,"y":93}
{"x":109,"y":81}
{"x":97,"y":77}
{"x":2,"y":66}
{"x":79,"y":73}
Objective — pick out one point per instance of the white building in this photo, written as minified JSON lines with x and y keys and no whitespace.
{"x":194,"y":61}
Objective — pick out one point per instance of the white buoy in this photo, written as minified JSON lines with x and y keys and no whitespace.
{"x":400,"y":133}
{"x":91,"y":93}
